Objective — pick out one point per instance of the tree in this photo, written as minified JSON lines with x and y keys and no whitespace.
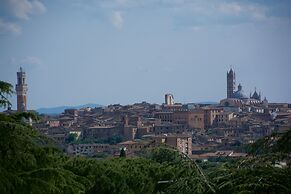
{"x":181,"y":174}
{"x":30,"y":163}
{"x":6,"y":90}
{"x":122,"y":153}
{"x":163,"y":154}
{"x":274,"y":146}
{"x":258,"y":173}
{"x":72,"y":137}
{"x":251,"y":175}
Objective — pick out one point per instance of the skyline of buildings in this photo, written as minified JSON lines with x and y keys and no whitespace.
{"x":202,"y":131}
{"x":197,"y":130}
{"x":233,"y":97}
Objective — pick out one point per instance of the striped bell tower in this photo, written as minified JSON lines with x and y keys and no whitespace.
{"x":230,"y":83}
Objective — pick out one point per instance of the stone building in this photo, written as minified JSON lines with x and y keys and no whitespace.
{"x":230,"y":83}
{"x":21,"y":91}
{"x":169,"y":99}
{"x":193,"y":119}
{"x":90,"y":149}
{"x":181,"y":142}
{"x":166,"y":116}
{"x":101,"y":132}
{"x":169,"y":128}
{"x":223,"y":118}
{"x":210,"y":115}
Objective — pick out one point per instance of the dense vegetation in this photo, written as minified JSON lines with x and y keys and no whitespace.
{"x":30,"y":163}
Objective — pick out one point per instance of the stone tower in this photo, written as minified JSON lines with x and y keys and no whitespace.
{"x":169,"y":99}
{"x":230,"y":83}
{"x":21,"y":91}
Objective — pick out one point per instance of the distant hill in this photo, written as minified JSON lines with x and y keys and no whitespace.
{"x":207,"y":102}
{"x":60,"y":109}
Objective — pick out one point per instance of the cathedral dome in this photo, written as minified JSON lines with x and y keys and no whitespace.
{"x":239,"y":94}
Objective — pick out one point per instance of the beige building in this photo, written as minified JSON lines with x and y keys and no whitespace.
{"x":53,"y":123}
{"x":191,"y":119}
{"x":196,"y":120}
{"x":129,"y":132}
{"x":181,"y":142}
{"x":223,"y":118}
{"x":210,"y":115}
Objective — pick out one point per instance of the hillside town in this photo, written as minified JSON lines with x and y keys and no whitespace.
{"x":201,"y":131}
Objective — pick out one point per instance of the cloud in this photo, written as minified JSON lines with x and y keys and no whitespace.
{"x":14,"y":11}
{"x":117,"y":19}
{"x":122,"y":2}
{"x":31,"y":60}
{"x":255,"y":12}
{"x":231,"y":8}
{"x":21,"y":9}
{"x":28,"y":62}
{"x":188,"y":13}
{"x":9,"y":27}
{"x":196,"y":28}
{"x":197,"y":14}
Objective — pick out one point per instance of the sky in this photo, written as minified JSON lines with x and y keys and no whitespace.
{"x":126,"y":51}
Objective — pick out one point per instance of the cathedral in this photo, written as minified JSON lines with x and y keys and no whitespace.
{"x":237,"y":98}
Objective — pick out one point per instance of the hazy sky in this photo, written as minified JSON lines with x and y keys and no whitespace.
{"x":126,"y":51}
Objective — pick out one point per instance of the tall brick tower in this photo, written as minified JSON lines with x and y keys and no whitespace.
{"x":21,"y":91}
{"x":230,"y":83}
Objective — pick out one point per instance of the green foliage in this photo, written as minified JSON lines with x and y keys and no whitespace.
{"x":182,"y":174}
{"x":72,"y":138}
{"x":259,"y":173}
{"x":284,"y":143}
{"x":163,"y":155}
{"x":6,"y":90}
{"x":100,"y":155}
{"x":122,"y":153}
{"x":18,"y":117}
{"x":251,"y":176}
{"x":29,"y":164}
{"x":125,"y":176}
{"x":275,"y":143}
